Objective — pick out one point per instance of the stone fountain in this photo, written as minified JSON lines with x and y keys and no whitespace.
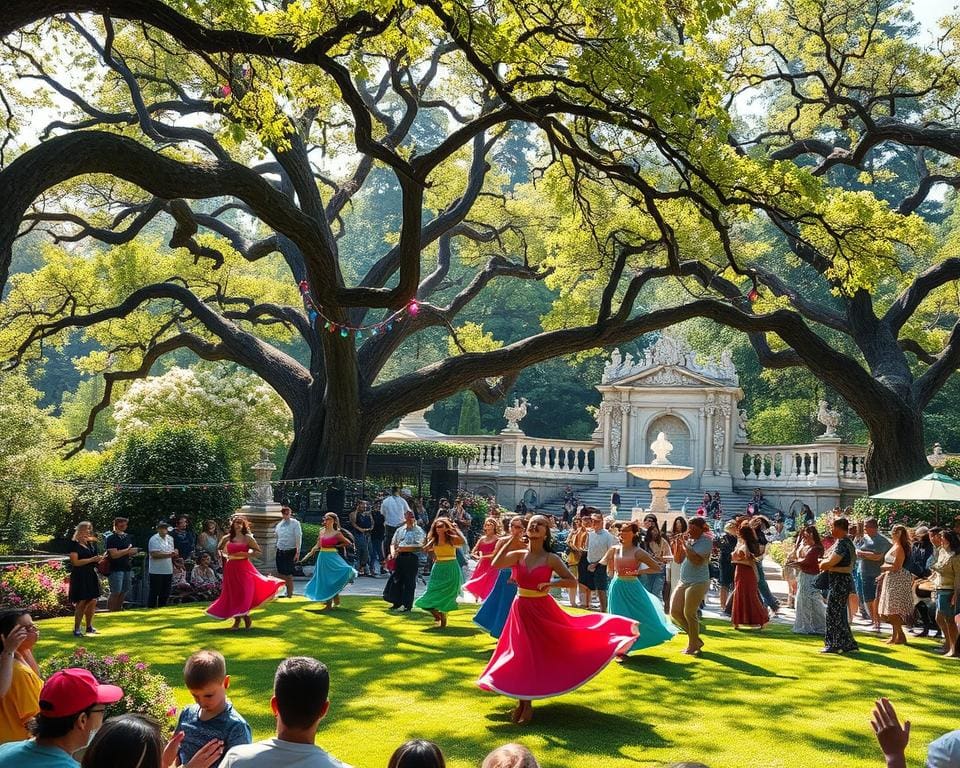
{"x":660,"y":472}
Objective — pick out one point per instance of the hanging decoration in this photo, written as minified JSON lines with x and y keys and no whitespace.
{"x":320,"y":321}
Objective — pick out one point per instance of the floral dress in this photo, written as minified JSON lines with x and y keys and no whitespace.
{"x":838,"y":638}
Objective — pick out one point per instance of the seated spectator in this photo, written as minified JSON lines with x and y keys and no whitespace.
{"x":72,"y":703}
{"x":180,"y":584}
{"x":893,"y":739}
{"x":213,"y":716}
{"x":300,"y":690}
{"x":510,"y":756}
{"x":135,"y":741}
{"x":204,"y":578}
{"x":20,"y":702}
{"x":417,"y":753}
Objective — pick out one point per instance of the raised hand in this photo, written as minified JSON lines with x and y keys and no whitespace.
{"x":892,"y":737}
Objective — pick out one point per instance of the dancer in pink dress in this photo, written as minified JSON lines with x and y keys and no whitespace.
{"x":485,"y":576}
{"x":243,"y":588}
{"x":544,"y":651}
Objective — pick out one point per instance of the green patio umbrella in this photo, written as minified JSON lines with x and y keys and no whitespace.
{"x":932,"y":487}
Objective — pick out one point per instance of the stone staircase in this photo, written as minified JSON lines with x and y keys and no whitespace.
{"x":599,"y":497}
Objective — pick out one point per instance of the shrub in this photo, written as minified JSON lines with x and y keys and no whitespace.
{"x":144,"y":692}
{"x":909,"y":513}
{"x":171,"y":458}
{"x":40,"y":588}
{"x":778,"y":551}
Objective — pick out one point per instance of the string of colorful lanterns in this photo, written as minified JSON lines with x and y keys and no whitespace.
{"x":319,"y":320}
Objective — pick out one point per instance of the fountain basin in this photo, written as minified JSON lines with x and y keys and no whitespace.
{"x":666,"y":472}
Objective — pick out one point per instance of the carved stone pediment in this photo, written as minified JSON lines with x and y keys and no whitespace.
{"x":666,"y":376}
{"x":670,"y":361}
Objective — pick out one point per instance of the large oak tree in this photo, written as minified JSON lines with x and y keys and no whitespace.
{"x":644,"y":173}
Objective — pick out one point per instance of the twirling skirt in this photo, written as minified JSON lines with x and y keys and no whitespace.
{"x":243,"y":589}
{"x":747,"y":608}
{"x":628,"y":598}
{"x":443,"y":588}
{"x":331,"y":574}
{"x":483,"y":580}
{"x":544,"y":651}
{"x":495,"y":609}
{"x":811,"y":617}
{"x":896,"y":594}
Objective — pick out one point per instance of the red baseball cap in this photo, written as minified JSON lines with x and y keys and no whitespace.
{"x":70,"y":691}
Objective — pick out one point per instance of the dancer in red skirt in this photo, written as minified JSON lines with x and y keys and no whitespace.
{"x":747,"y":608}
{"x":243,"y":588}
{"x":485,"y":576}
{"x":544,"y":651}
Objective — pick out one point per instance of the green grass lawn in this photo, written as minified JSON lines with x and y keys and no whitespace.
{"x":765,"y":699}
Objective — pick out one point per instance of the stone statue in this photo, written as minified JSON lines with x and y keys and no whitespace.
{"x":661,"y":448}
{"x":612,"y":368}
{"x":515,"y":413}
{"x":741,"y":426}
{"x":615,"y":438}
{"x":718,"y":441}
{"x":829,"y":419}
{"x":262,"y":492}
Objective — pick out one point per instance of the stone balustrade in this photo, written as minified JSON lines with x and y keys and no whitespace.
{"x":822,"y":464}
{"x":519,"y":454}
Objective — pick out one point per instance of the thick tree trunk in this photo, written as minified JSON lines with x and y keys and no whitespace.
{"x":897,"y":453}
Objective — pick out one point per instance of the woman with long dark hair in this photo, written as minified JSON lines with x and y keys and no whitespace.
{"x":84,"y":580}
{"x":946,"y":581}
{"x":544,"y":651}
{"x":331,"y":573}
{"x":896,"y":585}
{"x":134,"y":741}
{"x":446,"y":578}
{"x":811,"y":613}
{"x":838,"y":563}
{"x":747,"y":608}
{"x":656,"y":544}
{"x":495,"y":609}
{"x":628,"y":597}
{"x":243,"y":588}
{"x":678,"y":532}
{"x":417,"y":753}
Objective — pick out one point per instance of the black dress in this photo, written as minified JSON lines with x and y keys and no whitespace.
{"x":84,"y":580}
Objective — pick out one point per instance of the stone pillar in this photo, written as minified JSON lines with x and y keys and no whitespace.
{"x":708,"y":454}
{"x":263,"y":513}
{"x":608,"y":460}
{"x":624,"y":433}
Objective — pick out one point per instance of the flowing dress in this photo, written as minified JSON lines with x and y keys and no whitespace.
{"x":896,"y":593}
{"x":84,"y":580}
{"x":811,"y":612}
{"x":331,"y":573}
{"x":627,"y":597}
{"x":747,"y":608}
{"x":544,"y":651}
{"x":243,"y":587}
{"x":445,"y":581}
{"x":495,"y":609}
{"x":485,"y":576}
{"x":838,"y":638}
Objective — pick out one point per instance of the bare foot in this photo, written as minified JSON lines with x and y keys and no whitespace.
{"x":247,"y":622}
{"x":526,"y":714}
{"x":516,"y":712}
{"x":236,"y":625}
{"x":443,"y":621}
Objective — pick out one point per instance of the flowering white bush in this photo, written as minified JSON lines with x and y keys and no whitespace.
{"x":235,"y":405}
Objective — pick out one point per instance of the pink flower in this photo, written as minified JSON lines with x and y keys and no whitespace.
{"x":140,"y":666}
{"x":171,"y":712}
{"x":123,"y":658}
{"x":108,"y":660}
{"x":9,"y":567}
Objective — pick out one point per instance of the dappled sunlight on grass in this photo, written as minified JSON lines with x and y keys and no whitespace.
{"x":757,"y":699}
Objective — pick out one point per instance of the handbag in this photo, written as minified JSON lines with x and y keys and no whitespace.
{"x":390,"y":564}
{"x":103,"y":567}
{"x":822,"y":582}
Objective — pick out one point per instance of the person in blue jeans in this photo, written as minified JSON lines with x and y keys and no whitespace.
{"x":760,"y":524}
{"x":654,"y":543}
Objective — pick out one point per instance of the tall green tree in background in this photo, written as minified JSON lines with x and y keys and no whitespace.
{"x":777,"y":221}
{"x":469,"y":423}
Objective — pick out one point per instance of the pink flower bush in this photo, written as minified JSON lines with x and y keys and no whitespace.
{"x":40,"y":588}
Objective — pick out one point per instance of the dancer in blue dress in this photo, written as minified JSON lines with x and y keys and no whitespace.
{"x":493,"y":613}
{"x":628,"y":596}
{"x":332,"y":573}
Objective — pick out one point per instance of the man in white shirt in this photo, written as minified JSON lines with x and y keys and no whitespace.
{"x":404,"y":546}
{"x":599,"y":541}
{"x":300,"y":690}
{"x":160,"y":565}
{"x":394,"y":507}
{"x":289,"y":538}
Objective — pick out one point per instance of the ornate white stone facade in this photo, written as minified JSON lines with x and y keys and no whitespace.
{"x":694,"y":402}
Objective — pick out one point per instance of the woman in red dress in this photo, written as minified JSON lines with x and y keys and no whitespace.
{"x":747,"y":608}
{"x":544,"y":651}
{"x":485,"y":576}
{"x":243,"y":588}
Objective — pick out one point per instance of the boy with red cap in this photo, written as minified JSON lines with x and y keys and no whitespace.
{"x":72,"y":703}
